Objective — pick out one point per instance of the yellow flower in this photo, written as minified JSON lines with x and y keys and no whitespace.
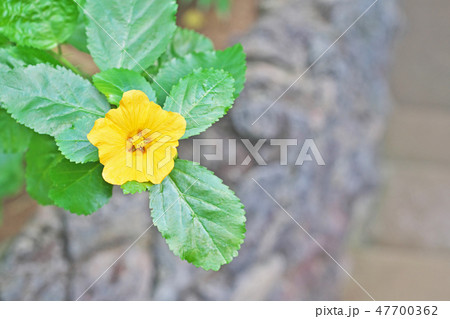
{"x":137,"y":141}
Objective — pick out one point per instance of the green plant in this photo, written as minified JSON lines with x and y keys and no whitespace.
{"x":222,"y":6}
{"x":48,"y":108}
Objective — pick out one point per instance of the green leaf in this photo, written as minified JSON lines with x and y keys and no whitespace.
{"x":31,"y":56}
{"x":11,"y":173}
{"x":41,"y":158}
{"x":7,"y":61}
{"x":4,"y":68}
{"x":114,"y":83}
{"x":133,"y":34}
{"x":200,"y":217}
{"x":51,"y":179}
{"x":186,"y":41}
{"x":14,"y":137}
{"x":15,"y":56}
{"x":73,"y":142}
{"x":41,"y":24}
{"x":223,"y":6}
{"x":79,"y":38}
{"x":134,"y":187}
{"x":79,"y":188}
{"x":202,"y":98}
{"x":50,"y":100}
{"x":231,"y":60}
{"x":4,"y":41}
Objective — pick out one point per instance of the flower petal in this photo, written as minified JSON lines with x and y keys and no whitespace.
{"x":161,"y":162}
{"x":171,"y":124}
{"x":108,"y":139}
{"x":151,"y":157}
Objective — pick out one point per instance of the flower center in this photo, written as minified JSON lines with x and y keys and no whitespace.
{"x":139,"y":141}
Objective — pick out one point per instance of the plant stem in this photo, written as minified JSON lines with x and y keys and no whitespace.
{"x":67,"y":64}
{"x":70,"y":66}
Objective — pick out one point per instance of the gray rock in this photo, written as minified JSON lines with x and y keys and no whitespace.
{"x":260,"y":280}
{"x":121,"y":221}
{"x":34,"y":266}
{"x":130,"y":278}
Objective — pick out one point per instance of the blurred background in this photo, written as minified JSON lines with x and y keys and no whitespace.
{"x":402,"y":251}
{"x":377,"y":104}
